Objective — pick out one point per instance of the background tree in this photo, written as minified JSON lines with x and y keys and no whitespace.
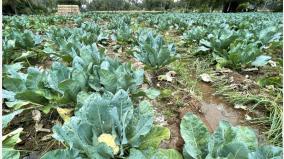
{"x":158,"y":4}
{"x":108,"y":5}
{"x":22,"y":7}
{"x":48,"y":6}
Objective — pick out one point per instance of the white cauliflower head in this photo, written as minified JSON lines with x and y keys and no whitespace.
{"x":109,"y":140}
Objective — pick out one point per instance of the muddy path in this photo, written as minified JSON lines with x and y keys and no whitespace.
{"x":209,"y":106}
{"x":214,"y":108}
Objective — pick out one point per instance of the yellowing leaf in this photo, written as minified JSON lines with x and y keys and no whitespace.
{"x":169,"y":76}
{"x":65,"y":113}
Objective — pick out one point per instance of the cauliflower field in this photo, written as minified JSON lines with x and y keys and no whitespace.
{"x":143,"y":86}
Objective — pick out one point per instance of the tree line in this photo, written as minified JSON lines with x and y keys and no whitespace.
{"x":49,"y":6}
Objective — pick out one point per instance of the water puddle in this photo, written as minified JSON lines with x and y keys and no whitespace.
{"x":214,"y":108}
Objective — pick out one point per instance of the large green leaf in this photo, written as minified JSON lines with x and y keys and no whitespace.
{"x":195,"y":136}
{"x":152,"y":153}
{"x":224,"y":134}
{"x":34,"y":78}
{"x":247,"y":136}
{"x":14,"y":84}
{"x":234,"y":150}
{"x":10,"y":153}
{"x":141,"y":123}
{"x":81,"y":136}
{"x":61,"y":153}
{"x":96,"y":112}
{"x":267,"y":152}
{"x":108,"y":80}
{"x":171,"y":153}
{"x":154,"y":137}
{"x":70,"y":88}
{"x":266,"y":35}
{"x":57,"y":74}
{"x":232,"y":142}
{"x":34,"y":96}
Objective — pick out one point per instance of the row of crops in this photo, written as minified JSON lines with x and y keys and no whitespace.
{"x":90,"y":69}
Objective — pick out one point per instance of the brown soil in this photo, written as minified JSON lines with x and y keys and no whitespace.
{"x":211,"y":109}
{"x":34,"y":144}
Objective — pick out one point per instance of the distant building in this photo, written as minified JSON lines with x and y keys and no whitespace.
{"x":67,"y":9}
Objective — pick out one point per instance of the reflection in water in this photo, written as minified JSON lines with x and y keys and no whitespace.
{"x":216,"y":109}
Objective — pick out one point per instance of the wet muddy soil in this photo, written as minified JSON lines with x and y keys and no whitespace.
{"x":215,"y":108}
{"x":210,"y":108}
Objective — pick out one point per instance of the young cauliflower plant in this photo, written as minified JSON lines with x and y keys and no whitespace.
{"x":108,"y":126}
{"x":153,"y":51}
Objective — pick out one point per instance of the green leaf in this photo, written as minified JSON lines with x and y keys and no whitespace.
{"x":266,"y":35}
{"x":9,"y":117}
{"x":108,"y":80}
{"x":121,"y":113}
{"x":224,"y":134}
{"x":234,"y":150}
{"x":154,"y":137}
{"x":101,"y":107}
{"x":10,"y":153}
{"x":136,"y":154}
{"x":82,"y":98}
{"x":267,"y":152}
{"x":34,"y":96}
{"x":9,"y":95}
{"x":171,"y":153}
{"x":232,"y":142}
{"x":14,"y":84}
{"x":261,"y":60}
{"x":11,"y":139}
{"x":152,"y":93}
{"x":61,"y":153}
{"x":141,"y":123}
{"x":34,"y":78}
{"x":70,"y":89}
{"x":202,"y":49}
{"x":80,"y":77}
{"x":152,"y":153}
{"x":81,"y":136}
{"x":247,"y":136}
{"x":17,"y":104}
{"x":195,"y":135}
{"x":12,"y":68}
{"x":57,"y":74}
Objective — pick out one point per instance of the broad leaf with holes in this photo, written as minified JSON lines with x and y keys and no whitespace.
{"x":107,"y":126}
